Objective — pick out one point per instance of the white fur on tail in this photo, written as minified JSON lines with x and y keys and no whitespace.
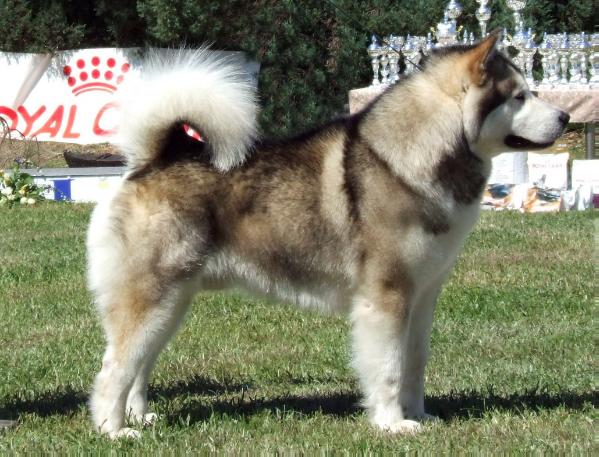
{"x":208,"y":92}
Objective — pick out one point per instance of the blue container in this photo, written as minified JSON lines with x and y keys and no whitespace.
{"x":62,"y":189}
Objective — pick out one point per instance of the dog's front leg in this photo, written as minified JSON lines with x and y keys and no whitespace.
{"x":380,"y":344}
{"x":420,"y":324}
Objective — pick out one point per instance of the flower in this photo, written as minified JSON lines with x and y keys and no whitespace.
{"x":19,"y":188}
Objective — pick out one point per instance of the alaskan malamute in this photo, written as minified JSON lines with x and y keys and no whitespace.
{"x":365,"y":215}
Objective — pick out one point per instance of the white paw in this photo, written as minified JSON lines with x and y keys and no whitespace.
{"x":125,"y":432}
{"x":403,"y":427}
{"x":149,"y":419}
{"x":145,"y":420}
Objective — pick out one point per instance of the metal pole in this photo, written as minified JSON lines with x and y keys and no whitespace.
{"x":589,"y":136}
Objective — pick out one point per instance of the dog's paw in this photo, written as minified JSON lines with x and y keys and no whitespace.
{"x":145,"y":420}
{"x":404,"y":427}
{"x":148,"y":419}
{"x":126,"y":432}
{"x":401,"y":427}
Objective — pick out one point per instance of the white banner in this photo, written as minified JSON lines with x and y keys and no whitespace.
{"x":70,"y":96}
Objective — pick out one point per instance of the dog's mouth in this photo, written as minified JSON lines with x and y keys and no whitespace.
{"x":518,"y":142}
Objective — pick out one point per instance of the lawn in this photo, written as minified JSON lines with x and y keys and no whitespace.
{"x":512,"y":367}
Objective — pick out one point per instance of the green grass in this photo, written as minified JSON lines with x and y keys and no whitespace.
{"x":512,"y":366}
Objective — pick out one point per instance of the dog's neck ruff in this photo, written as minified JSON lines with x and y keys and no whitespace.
{"x":463,"y":173}
{"x":430,"y":150}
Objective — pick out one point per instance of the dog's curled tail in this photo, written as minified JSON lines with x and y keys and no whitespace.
{"x":199,"y":88}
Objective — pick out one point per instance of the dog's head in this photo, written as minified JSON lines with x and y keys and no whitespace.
{"x":500,"y":114}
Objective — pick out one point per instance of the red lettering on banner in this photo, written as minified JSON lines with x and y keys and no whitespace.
{"x":99,"y":130}
{"x":68,"y":133}
{"x":53,"y":124}
{"x":30,"y":119}
{"x":58,"y":123}
{"x":11,"y":114}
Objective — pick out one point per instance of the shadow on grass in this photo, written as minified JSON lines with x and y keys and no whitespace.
{"x":65,"y":401}
{"x":195,"y":385}
{"x":337,"y":404}
{"x":477,"y":404}
{"x":455,"y":405}
{"x":473,"y":404}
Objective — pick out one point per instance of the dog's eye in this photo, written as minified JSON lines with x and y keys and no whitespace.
{"x":520,"y":97}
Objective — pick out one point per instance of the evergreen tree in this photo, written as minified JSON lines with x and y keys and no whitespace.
{"x":38,"y":26}
{"x":311,"y":51}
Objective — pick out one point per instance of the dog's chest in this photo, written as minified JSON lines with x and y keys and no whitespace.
{"x":431,"y":255}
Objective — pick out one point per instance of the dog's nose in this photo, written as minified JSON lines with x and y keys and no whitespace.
{"x":564,"y":117}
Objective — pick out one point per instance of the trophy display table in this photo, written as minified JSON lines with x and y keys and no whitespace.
{"x":583,"y":106}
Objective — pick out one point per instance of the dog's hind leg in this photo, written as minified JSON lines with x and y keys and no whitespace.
{"x":137,"y":399}
{"x":141,"y":263}
{"x":137,"y":327}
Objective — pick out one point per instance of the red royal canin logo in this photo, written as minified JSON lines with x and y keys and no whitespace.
{"x":95,"y":74}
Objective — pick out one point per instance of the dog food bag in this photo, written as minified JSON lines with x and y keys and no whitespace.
{"x":540,"y":200}
{"x":497,"y":197}
{"x":586,"y":173}
{"x":548,"y":171}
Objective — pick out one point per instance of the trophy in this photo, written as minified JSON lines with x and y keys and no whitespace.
{"x":564,"y":52}
{"x":454,"y":10}
{"x":528,"y":50}
{"x":584,"y":47}
{"x":374,"y":51}
{"x":467,"y":38}
{"x":408,"y":51}
{"x":483,"y":14}
{"x":595,"y":60}
{"x":505,"y":41}
{"x":574,"y":58}
{"x":446,"y":31}
{"x":395,"y":44}
{"x":429,"y":44}
{"x":554,"y":68}
{"x":545,"y":50}
{"x":516,"y":6}
{"x":567,"y":60}
{"x":419,"y":47}
{"x":384,"y":64}
{"x":420,"y":43}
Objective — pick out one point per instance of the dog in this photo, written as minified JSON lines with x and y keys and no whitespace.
{"x":365,"y":215}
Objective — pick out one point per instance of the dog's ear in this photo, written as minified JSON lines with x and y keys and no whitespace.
{"x":480,"y":55}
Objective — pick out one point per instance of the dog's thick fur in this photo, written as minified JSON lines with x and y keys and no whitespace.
{"x":365,"y":215}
